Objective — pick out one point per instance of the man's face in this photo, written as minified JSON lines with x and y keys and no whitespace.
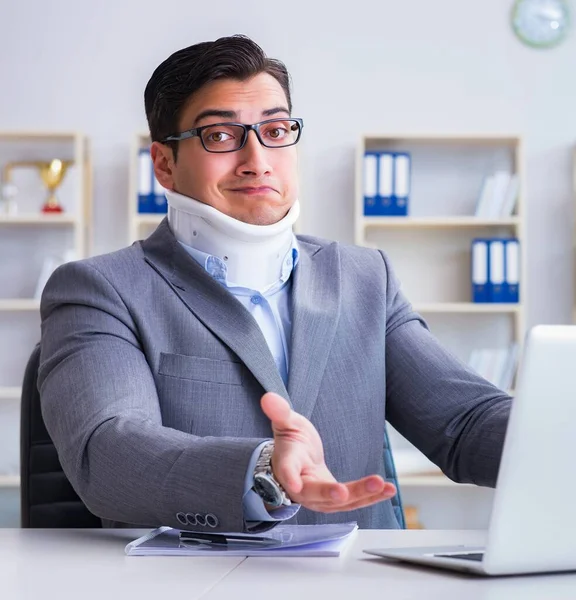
{"x":255,"y":185}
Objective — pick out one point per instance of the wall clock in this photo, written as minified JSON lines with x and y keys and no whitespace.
{"x":541,"y":23}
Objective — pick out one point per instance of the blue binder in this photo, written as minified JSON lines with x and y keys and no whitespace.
{"x":385,"y":198}
{"x":401,"y":193}
{"x":160,"y":201}
{"x":146,"y":202}
{"x":480,"y":269}
{"x":497,"y":270}
{"x":370,"y":184}
{"x":512,"y":271}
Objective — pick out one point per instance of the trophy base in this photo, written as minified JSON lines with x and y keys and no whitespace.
{"x":52,"y":209}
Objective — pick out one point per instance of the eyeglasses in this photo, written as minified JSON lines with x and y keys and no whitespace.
{"x":229,"y":137}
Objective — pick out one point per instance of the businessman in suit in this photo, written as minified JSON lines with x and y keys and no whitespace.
{"x":225,"y":374}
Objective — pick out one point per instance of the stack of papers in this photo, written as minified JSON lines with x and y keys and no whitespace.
{"x":283,"y":540}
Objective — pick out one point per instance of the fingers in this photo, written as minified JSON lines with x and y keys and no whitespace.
{"x":385,"y":494}
{"x":334,"y":497}
{"x":276,"y":409}
{"x":323,"y":492}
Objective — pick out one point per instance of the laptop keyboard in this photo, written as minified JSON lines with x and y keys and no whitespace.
{"x":466,"y":556}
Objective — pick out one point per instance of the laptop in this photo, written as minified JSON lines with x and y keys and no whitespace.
{"x":532,"y":526}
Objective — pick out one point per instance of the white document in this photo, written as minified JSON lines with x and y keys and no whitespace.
{"x":483,"y":205}
{"x":292,"y":540}
{"x":496,"y":204}
{"x":510,"y":197}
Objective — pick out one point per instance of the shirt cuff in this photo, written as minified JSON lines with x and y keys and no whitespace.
{"x":254,"y":508}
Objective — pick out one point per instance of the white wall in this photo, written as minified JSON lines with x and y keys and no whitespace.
{"x":387,"y":66}
{"x":409,"y":65}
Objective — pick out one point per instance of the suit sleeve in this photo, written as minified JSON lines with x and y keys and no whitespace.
{"x":101,"y":409}
{"x":450,"y":413}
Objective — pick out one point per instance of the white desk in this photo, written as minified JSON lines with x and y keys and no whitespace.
{"x":90,"y":564}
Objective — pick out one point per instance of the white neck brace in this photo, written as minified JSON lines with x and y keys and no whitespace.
{"x":253,"y":253}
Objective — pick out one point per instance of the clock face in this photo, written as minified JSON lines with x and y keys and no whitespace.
{"x":541,"y":23}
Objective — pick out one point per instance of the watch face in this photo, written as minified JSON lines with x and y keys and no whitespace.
{"x":541,"y":23}
{"x":267,"y":489}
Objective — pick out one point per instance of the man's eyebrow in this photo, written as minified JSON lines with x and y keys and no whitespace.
{"x":231,"y":115}
{"x":275,"y":111}
{"x":212,"y":112}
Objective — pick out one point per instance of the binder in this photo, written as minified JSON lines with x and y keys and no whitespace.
{"x":480,"y":266}
{"x":386,"y":184}
{"x":160,"y":201}
{"x":371,"y":184}
{"x":496,"y":270}
{"x":512,"y":271}
{"x":145,"y":185}
{"x":401,"y":192}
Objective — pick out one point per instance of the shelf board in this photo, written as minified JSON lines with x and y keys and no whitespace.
{"x":428,"y":480}
{"x":37,"y":135}
{"x":508,"y":139}
{"x":7,"y":393}
{"x":440,"y":222}
{"x":151,"y":219}
{"x":9,"y":481}
{"x":38,"y":219}
{"x":19,"y":304}
{"x":465,"y":307}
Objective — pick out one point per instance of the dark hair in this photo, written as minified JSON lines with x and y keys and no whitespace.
{"x":183,"y":73}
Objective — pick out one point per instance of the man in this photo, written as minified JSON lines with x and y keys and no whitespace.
{"x":224,"y":374}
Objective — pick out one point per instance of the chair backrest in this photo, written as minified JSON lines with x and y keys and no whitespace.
{"x":47,"y":499}
{"x":393,"y":478}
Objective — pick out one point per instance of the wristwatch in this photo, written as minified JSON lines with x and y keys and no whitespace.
{"x":265,"y":484}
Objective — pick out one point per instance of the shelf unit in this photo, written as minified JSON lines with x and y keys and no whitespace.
{"x":447,"y":214}
{"x":27,"y":238}
{"x":446,"y":178}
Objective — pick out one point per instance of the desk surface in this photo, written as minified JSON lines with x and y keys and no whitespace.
{"x":90,"y":564}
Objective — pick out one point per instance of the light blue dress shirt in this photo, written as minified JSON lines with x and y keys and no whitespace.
{"x":272,"y":311}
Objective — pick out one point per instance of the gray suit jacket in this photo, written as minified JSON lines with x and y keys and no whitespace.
{"x":151,"y":375}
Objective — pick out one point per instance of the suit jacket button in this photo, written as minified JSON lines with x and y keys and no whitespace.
{"x":212,"y":520}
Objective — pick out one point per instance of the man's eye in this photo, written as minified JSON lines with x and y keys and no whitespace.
{"x":219,"y":136}
{"x":277,"y":133}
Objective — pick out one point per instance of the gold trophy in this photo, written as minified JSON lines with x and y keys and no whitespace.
{"x":52,"y":173}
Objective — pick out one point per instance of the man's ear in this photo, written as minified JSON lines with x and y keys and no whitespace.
{"x":163,"y":161}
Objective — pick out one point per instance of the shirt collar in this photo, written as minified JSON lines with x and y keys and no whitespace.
{"x":216,"y":267}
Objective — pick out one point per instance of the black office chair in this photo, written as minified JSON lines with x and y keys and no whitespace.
{"x":47,"y":499}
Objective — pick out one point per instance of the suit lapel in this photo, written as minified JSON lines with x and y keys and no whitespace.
{"x":315,"y":312}
{"x":214,"y":306}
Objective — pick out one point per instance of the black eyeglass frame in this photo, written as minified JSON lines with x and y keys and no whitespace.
{"x":196,"y":132}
